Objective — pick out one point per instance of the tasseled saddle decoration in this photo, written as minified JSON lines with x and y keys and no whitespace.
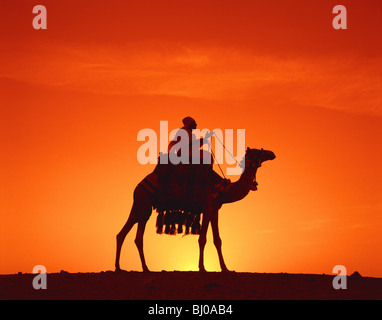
{"x":173,"y":221}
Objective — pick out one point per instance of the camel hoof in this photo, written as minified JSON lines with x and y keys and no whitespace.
{"x":119,"y":270}
{"x":146,"y":270}
{"x":202,"y":270}
{"x":227,"y":271}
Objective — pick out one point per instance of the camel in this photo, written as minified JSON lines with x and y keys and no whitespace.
{"x":142,"y":209}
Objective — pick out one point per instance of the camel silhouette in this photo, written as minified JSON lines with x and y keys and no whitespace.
{"x":143,"y":205}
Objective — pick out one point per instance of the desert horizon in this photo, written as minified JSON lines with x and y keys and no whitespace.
{"x":181,"y":285}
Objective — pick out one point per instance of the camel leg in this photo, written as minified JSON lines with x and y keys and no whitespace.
{"x":203,"y":240}
{"x":139,"y":243}
{"x":217,"y":240}
{"x":144,"y":215}
{"x":140,"y":212}
{"x":122,"y":235}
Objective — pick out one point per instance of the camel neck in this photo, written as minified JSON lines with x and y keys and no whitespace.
{"x":240,"y":188}
{"x":247,"y":176}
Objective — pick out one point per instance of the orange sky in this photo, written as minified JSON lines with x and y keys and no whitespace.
{"x":74,"y":96}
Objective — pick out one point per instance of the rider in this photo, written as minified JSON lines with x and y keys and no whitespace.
{"x":189,"y":124}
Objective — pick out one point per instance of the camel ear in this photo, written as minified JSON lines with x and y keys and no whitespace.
{"x":248,"y":149}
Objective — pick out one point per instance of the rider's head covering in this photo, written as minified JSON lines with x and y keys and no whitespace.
{"x":188,"y":122}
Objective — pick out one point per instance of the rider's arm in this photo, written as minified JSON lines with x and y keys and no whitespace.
{"x":201,"y":141}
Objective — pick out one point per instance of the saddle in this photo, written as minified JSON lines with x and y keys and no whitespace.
{"x":180,"y":196}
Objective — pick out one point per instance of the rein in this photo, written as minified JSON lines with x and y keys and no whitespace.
{"x":256,"y":163}
{"x":213,"y":155}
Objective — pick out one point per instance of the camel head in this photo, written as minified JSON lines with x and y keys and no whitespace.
{"x":254,"y":158}
{"x":258,"y":156}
